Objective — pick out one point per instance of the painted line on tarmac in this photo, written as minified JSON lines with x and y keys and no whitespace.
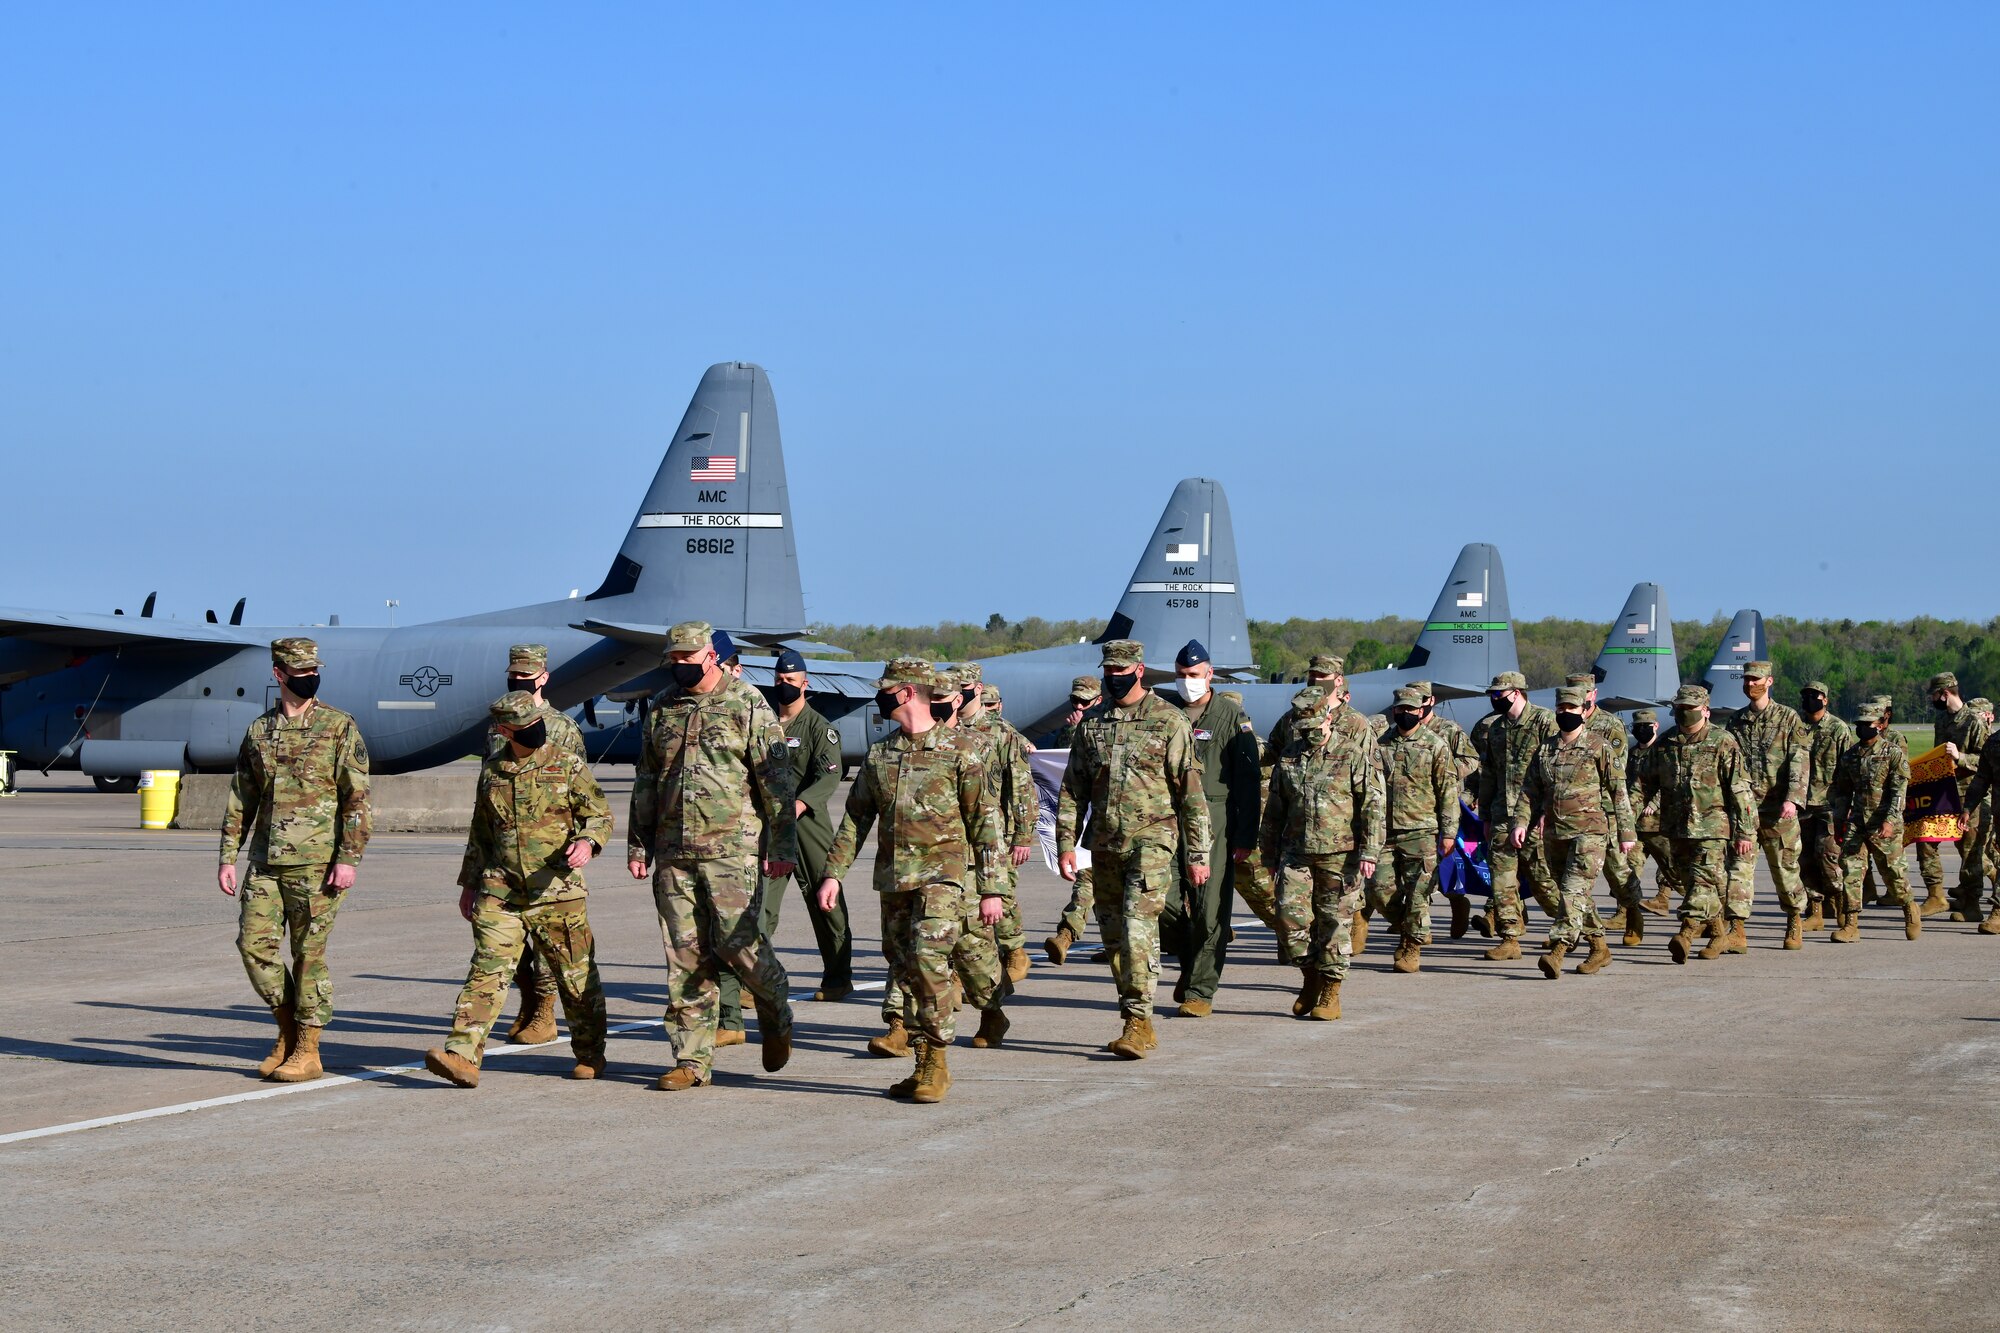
{"x":321,"y":1084}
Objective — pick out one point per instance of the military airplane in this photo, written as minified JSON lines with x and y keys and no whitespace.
{"x":712,"y":540}
{"x":1743,"y":642}
{"x":1638,"y":667}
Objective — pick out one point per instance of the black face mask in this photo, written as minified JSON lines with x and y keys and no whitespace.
{"x":533,"y":736}
{"x":1645,"y":732}
{"x":1940,"y":706}
{"x":687,"y":675}
{"x":940,"y":712}
{"x":521,"y":683}
{"x":1407,"y":721}
{"x":303,"y":686}
{"x":967,"y":695}
{"x":1500,"y":705}
{"x":784,"y":694}
{"x":885,"y":702}
{"x":1865,"y":730}
{"x":1813,"y":704}
{"x":1568,"y":721}
{"x":1115,"y":685}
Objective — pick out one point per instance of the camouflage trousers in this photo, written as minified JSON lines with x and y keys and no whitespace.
{"x":271,"y":900}
{"x":1886,"y":855}
{"x":921,"y":931}
{"x":1618,"y":872}
{"x":1073,"y":915}
{"x":1129,"y":890}
{"x":1508,"y":864}
{"x":1779,"y":841}
{"x":1259,"y":893}
{"x":501,"y":934}
{"x":1701,"y":868}
{"x":1410,"y":863}
{"x":974,"y":957}
{"x":1010,"y":933}
{"x":1318,"y":894}
{"x":1971,"y":862}
{"x":1576,"y":863}
{"x":1660,"y":850}
{"x":533,"y":977}
{"x":1821,"y":864}
{"x":708,"y":921}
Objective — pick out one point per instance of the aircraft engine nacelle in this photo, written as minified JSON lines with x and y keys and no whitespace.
{"x":128,"y":759}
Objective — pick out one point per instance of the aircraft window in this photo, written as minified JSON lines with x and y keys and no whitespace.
{"x":239,"y":691}
{"x":204,"y":691}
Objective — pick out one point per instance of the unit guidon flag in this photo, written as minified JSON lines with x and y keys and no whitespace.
{"x":1932,"y":811}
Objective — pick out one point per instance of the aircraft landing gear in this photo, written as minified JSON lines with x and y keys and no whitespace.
{"x":124,"y":786}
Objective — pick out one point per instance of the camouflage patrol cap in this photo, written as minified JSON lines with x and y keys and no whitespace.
{"x":294,"y":654}
{"x":516,"y":708}
{"x":1508,"y":680}
{"x":1691,"y":696}
{"x":1325,"y":664}
{"x":1409,"y":696}
{"x":1882,"y":700}
{"x":1422,"y":687}
{"x":1944,"y":680}
{"x":989,"y":695}
{"x":1572,"y":694}
{"x":1757,"y":671}
{"x":1869,"y":712}
{"x":1086,"y":688}
{"x":1124,"y":653}
{"x":907,"y":671}
{"x":1816,"y":687}
{"x":1584,"y":678}
{"x":1308,"y":700}
{"x":1646,"y":715}
{"x":527,"y":659}
{"x":690,"y":636}
{"x":968,"y":673}
{"x":1980,"y":705}
{"x":944,"y":683}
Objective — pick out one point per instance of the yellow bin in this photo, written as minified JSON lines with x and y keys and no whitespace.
{"x":159,"y":789}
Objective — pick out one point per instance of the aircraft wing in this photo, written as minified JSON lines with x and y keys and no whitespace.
{"x":89,"y":632}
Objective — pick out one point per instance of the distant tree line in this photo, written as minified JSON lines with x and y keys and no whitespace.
{"x":1855,"y":658}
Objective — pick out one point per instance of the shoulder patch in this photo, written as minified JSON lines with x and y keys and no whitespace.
{"x":791,"y":742}
{"x":832,"y":736}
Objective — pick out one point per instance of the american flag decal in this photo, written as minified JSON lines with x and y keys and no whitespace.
{"x":713,"y":467}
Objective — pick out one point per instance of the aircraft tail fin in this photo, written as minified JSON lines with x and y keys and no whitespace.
{"x":1742,"y":642}
{"x":1638,"y":667}
{"x":1185,"y":586}
{"x":1469,"y":637}
{"x":713,"y":538}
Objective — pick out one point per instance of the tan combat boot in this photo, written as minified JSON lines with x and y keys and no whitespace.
{"x":1015,"y":963}
{"x":1461,"y":914}
{"x":1487,"y":923}
{"x":1734,"y":940}
{"x":1057,"y":945}
{"x":1308,"y":987}
{"x":1913,"y":921}
{"x":1195,"y":1007}
{"x":1551,"y":962}
{"x":1814,"y":918}
{"x":1600,"y":955}
{"x":1131,"y":1043}
{"x":537,"y":1023}
{"x":1409,"y":955}
{"x":730,"y":1037}
{"x":1326,"y":1004}
{"x":1991,"y":925}
{"x":933,"y":1078}
{"x":1635,"y":928}
{"x":302,"y":1065}
{"x":1794,"y":931}
{"x":993,"y":1026}
{"x":1850,"y":928}
{"x":1657,"y":904}
{"x":896,"y":1041}
{"x":1508,"y":948}
{"x":587,"y":1069}
{"x":288,"y":1034}
{"x":680,"y":1078}
{"x":1618,"y":919}
{"x":1682,"y":942}
{"x":1718,"y":934}
{"x":452,"y":1068}
{"x":1936,"y":902}
{"x":1147,"y":1035}
{"x":1357,"y":934}
{"x":906,"y":1088}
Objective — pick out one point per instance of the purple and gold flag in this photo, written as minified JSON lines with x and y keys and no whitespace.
{"x":1932,"y":811}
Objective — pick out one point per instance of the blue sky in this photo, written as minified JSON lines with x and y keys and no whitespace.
{"x":327,"y":307}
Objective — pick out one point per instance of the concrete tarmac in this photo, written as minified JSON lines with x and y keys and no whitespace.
{"x":1774,"y":1141}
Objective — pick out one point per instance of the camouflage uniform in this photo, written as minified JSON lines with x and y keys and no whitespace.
{"x":1777,"y":758}
{"x":1574,"y":791}
{"x":1464,"y":755}
{"x":526,"y":813}
{"x":1194,"y":924}
{"x":1820,"y":865}
{"x":1981,"y":810}
{"x":713,"y":784}
{"x":938,"y":846}
{"x":1132,"y":773}
{"x":1870,"y":783}
{"x":1321,"y":664}
{"x":1980,"y":790}
{"x":1646,"y":817}
{"x":1968,"y":731}
{"x":1887,"y":704}
{"x":1420,"y":804}
{"x":1323,"y":817}
{"x":1703,"y":796}
{"x":1014,"y":791}
{"x":1510,"y":745}
{"x":300,"y":800}
{"x":1617,"y":869}
{"x":1088,"y":690}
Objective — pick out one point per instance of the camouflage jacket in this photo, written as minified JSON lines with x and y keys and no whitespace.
{"x":1009,"y":778}
{"x":1325,"y":798}
{"x":525,"y":814}
{"x":1463,"y":756}
{"x":1967,"y":730}
{"x":300,"y":791}
{"x":1826,"y":740}
{"x":1868,"y":791}
{"x":714,"y":774}
{"x":1419,"y":782}
{"x":1132,"y":770}
{"x":939,"y":823}
{"x":563,"y":734}
{"x":1579,"y":787}
{"x":1700,"y":786}
{"x":1511,"y":743}
{"x":1777,"y":755}
{"x":1225,"y":745}
{"x":1645,"y":812}
{"x":1983,"y":780}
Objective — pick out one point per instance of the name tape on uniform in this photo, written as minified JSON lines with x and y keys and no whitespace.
{"x":711,"y":520}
